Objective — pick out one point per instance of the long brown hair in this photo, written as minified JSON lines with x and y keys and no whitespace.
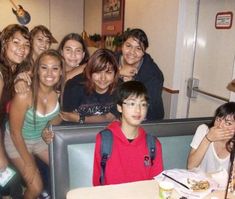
{"x":101,"y":60}
{"x":79,"y":39}
{"x":6,"y":64}
{"x":59,"y":87}
{"x":47,"y":33}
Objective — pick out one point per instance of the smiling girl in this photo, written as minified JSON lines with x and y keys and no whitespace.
{"x":75,"y":53}
{"x":30,"y":113}
{"x":136,"y":64}
{"x":15,"y":47}
{"x":89,"y":97}
{"x":40,"y":40}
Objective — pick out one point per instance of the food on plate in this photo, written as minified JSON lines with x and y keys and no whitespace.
{"x":200,"y":185}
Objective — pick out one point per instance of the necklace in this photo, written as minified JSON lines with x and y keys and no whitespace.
{"x":44,"y":99}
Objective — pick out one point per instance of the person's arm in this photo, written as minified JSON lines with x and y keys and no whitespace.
{"x":108,"y":117}
{"x":3,"y":160}
{"x":22,"y":82}
{"x":55,"y":121}
{"x":47,"y":134}
{"x":152,"y":77}
{"x":76,"y":71}
{"x":19,"y":106}
{"x":75,"y":117}
{"x":156,"y":108}
{"x":196,"y":156}
{"x":1,"y":85}
{"x":214,"y":134}
{"x":127,"y":72}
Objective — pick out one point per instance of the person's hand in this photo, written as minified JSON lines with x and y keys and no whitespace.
{"x":218,"y":134}
{"x":30,"y":170}
{"x":3,"y":163}
{"x":70,"y":116}
{"x":128,"y":72}
{"x":21,"y":86}
{"x":22,"y":82}
{"x":24,"y":76}
{"x":126,"y":79}
{"x":47,"y":135}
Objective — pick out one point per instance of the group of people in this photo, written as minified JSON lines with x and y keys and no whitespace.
{"x":40,"y":86}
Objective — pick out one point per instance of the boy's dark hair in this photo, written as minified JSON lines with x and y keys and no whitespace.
{"x":227,"y":109}
{"x":138,"y":35}
{"x":131,"y":88}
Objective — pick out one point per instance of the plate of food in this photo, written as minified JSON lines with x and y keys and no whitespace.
{"x":198,"y":185}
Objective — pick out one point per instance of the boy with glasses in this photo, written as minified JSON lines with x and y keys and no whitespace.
{"x":129,"y":159}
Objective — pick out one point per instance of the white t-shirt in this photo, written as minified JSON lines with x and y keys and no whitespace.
{"x":211,"y":162}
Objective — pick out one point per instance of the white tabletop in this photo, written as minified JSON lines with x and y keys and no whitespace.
{"x":136,"y":190}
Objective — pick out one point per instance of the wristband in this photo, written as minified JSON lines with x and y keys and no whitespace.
{"x":208,"y":139}
{"x":81,"y":119}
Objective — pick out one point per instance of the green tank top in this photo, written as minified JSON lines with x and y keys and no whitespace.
{"x":32,"y":128}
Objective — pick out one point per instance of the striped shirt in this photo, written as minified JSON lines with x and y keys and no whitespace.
{"x":33,"y":127}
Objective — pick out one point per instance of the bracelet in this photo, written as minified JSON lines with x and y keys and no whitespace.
{"x":81,"y":119}
{"x":208,"y":139}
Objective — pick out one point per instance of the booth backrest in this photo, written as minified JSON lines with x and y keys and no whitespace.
{"x":71,"y":153}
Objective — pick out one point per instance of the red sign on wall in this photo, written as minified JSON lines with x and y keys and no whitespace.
{"x":112,"y":17}
{"x":223,"y":20}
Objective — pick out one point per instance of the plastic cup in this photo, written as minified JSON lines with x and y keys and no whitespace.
{"x":165,"y":190}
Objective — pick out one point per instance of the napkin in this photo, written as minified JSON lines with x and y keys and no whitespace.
{"x":6,"y":176}
{"x":182,"y":175}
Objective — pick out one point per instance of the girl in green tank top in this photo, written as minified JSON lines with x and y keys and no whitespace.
{"x":30,"y":113}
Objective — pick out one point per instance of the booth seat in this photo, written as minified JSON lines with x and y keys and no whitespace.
{"x":72,"y":150}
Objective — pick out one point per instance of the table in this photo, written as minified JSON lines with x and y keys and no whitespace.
{"x":138,"y":190}
{"x":135,"y":190}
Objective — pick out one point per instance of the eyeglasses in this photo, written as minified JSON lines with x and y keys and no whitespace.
{"x":142,"y":105}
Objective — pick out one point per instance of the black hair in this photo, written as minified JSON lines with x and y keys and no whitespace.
{"x":138,"y":35}
{"x":131,"y":88}
{"x":227,"y":109}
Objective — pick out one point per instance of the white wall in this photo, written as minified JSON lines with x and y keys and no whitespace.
{"x":158,"y":18}
{"x":61,"y":17}
{"x":66,"y":17}
{"x":214,"y":57}
{"x":93,"y":16}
